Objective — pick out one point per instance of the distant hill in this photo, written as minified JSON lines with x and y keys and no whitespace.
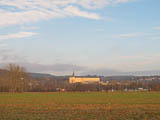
{"x":40,"y":75}
{"x":124,"y":76}
{"x":34,"y":75}
{"x":2,"y":72}
{"x":118,"y":78}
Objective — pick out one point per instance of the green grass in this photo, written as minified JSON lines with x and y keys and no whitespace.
{"x":80,"y":106}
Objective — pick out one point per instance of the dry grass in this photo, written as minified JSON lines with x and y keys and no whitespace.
{"x":80,"y":106}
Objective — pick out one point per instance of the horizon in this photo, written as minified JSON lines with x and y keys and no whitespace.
{"x":87,"y":36}
{"x":121,"y":74}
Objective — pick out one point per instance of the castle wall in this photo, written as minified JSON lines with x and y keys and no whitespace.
{"x":83,"y":80}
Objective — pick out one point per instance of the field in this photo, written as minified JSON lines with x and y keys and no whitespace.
{"x":80,"y":106}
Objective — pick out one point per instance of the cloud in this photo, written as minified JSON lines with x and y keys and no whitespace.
{"x":52,"y":68}
{"x":14,"y":12}
{"x":101,"y":71}
{"x":28,"y":27}
{"x":13,"y":18}
{"x":157,"y":28}
{"x":17,"y":35}
{"x":2,"y":45}
{"x":94,"y":4}
{"x":121,"y":1}
{"x":156,"y":38}
{"x":130,"y":35}
{"x":138,"y":35}
{"x":74,"y":11}
{"x":8,"y":55}
{"x":58,"y":69}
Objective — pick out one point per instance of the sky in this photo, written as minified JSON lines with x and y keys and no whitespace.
{"x":85,"y":36}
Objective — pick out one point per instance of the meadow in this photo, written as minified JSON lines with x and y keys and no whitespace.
{"x":80,"y":106}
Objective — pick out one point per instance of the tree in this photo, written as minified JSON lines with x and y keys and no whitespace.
{"x":16,"y":78}
{"x":1,"y":84}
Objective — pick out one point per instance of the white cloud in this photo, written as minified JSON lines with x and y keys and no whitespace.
{"x":17,"y":35}
{"x":157,"y":28}
{"x":93,"y":4}
{"x":130,"y":35}
{"x":26,"y":28}
{"x":156,"y":38}
{"x":119,"y":1}
{"x":12,"y":18}
{"x":7,"y":55}
{"x":74,"y":11}
{"x":27,"y":11}
{"x":2,"y":45}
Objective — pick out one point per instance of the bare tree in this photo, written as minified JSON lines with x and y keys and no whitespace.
{"x":1,"y":84}
{"x":16,"y":78}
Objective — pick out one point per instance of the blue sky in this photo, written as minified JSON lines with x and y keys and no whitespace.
{"x":61,"y":36}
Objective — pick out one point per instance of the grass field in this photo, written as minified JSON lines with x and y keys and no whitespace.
{"x":80,"y":106}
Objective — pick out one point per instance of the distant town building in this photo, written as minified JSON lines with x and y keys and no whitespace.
{"x":83,"y":80}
